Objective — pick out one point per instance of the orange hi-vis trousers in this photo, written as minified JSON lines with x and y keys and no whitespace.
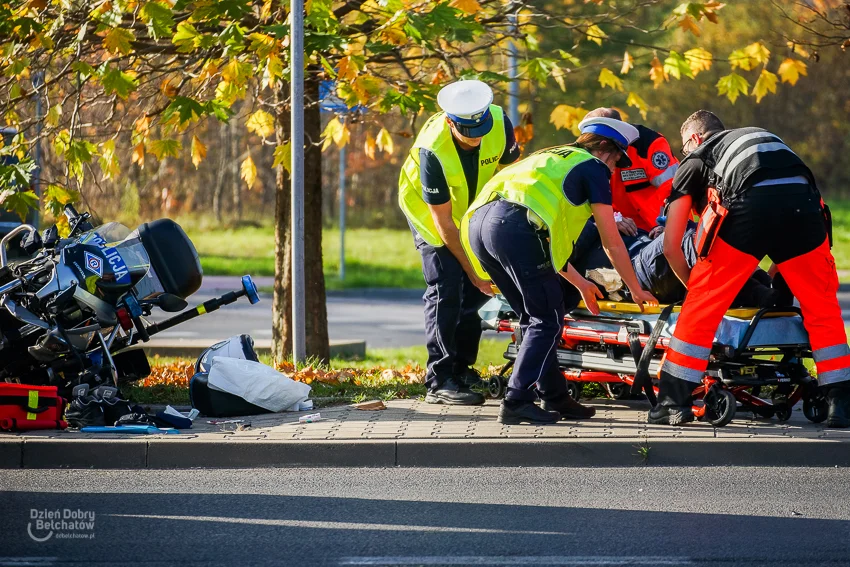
{"x":716,"y":280}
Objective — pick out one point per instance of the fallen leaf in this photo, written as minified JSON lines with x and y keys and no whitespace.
{"x":375,"y":405}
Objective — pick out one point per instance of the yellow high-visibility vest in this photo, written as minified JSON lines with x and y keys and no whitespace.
{"x":436,"y":136}
{"x":537,"y":184}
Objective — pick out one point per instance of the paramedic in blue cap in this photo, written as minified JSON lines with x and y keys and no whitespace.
{"x":457,"y":151}
{"x":519,"y":232}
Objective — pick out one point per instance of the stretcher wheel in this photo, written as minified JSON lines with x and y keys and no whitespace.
{"x":816,"y":409}
{"x":574,"y":390}
{"x":720,"y":406}
{"x":783,"y":412}
{"x":618,"y":391}
{"x":496,"y":387}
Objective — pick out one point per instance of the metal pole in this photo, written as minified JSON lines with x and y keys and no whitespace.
{"x":296,"y":58}
{"x":513,"y":87}
{"x":37,"y":83}
{"x":342,"y":213}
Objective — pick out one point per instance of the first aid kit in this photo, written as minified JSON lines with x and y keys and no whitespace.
{"x":24,"y":407}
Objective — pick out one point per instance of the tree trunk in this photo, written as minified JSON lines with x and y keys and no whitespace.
{"x":235,"y":163}
{"x":315,"y":308}
{"x":223,"y":166}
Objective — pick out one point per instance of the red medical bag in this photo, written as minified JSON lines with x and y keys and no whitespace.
{"x":25,"y":407}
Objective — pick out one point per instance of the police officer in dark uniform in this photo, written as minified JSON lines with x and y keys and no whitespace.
{"x":455,"y":154}
{"x":758,"y":199}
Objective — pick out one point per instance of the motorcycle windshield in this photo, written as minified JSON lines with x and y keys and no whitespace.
{"x":126,"y":253}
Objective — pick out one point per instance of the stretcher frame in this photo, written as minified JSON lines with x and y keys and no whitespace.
{"x":735,"y":375}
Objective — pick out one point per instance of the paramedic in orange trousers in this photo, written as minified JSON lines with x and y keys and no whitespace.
{"x":770,"y":206}
{"x":638,"y":192}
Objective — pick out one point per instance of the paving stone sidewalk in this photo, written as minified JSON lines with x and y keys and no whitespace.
{"x":413,"y":433}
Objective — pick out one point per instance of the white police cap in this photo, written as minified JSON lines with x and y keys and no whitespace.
{"x":621,"y":133}
{"x":467,"y":105}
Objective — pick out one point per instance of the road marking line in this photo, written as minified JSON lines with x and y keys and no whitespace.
{"x":565,"y":560}
{"x":328,"y":525}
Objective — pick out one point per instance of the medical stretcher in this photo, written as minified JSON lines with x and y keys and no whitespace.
{"x":755,"y":350}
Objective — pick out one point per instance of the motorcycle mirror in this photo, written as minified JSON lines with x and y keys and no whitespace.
{"x":171,"y":303}
{"x":250,"y":289}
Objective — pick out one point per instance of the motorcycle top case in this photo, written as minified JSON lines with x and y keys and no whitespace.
{"x":24,"y":407}
{"x":214,"y":403}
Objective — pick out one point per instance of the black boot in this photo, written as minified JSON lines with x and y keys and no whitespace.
{"x":468,"y":377}
{"x":514,"y":412}
{"x":675,"y":401}
{"x":454,"y":395}
{"x":839,"y":405}
{"x":568,"y":408}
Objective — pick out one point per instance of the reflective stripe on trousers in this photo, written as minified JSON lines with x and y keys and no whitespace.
{"x":716,"y":280}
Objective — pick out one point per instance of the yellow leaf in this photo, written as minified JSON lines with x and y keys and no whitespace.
{"x":248,"y":171}
{"x":468,"y":6}
{"x":608,"y":79}
{"x":628,"y":63}
{"x":657,"y":73}
{"x":347,"y":69}
{"x":766,"y":83}
{"x":209,"y":70}
{"x":283,"y":156}
{"x":564,"y":116}
{"x":688,"y":24}
{"x":370,"y":146}
{"x":53,"y":115}
{"x":139,"y":155}
{"x":394,"y":35}
{"x":733,"y":85}
{"x":385,"y":141}
{"x":699,"y":59}
{"x":636,"y":101}
{"x":118,"y":40}
{"x":335,"y":132}
{"x":595,"y":34}
{"x":791,"y":69}
{"x":758,"y":52}
{"x":199,"y":151}
{"x":558,"y":75}
{"x":261,"y":123}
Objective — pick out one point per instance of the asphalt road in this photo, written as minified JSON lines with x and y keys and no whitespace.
{"x":601,"y":517}
{"x":381,"y":317}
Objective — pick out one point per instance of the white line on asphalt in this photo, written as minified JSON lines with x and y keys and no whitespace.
{"x":325,"y":525}
{"x":27,"y":561}
{"x":566,"y":560}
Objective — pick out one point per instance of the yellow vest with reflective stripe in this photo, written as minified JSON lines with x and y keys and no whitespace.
{"x":436,"y":136}
{"x":537,"y":184}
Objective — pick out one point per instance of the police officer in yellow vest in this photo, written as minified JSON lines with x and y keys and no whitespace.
{"x":519,"y":232}
{"x":455,"y":154}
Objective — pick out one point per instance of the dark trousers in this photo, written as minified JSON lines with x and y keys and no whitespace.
{"x":452,"y":324}
{"x":517,"y":257}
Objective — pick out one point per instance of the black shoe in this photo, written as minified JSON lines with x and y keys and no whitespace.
{"x":839,"y":406}
{"x":454,"y":397}
{"x":468,"y":377}
{"x":84,"y":411}
{"x":675,"y":402}
{"x":568,"y":408}
{"x":670,"y":415}
{"x":526,"y":412}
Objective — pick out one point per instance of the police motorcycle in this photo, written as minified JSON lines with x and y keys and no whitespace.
{"x":71,"y":308}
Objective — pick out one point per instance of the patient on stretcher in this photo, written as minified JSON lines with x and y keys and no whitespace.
{"x":654,"y":272}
